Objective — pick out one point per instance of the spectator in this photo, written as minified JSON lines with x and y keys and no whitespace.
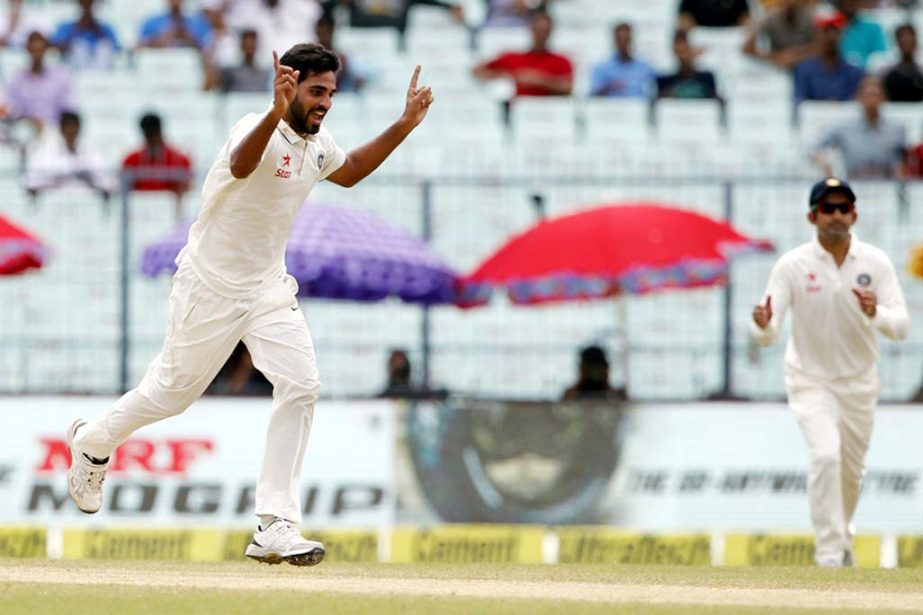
{"x":862,"y":37}
{"x":512,"y":12}
{"x":247,"y":76}
{"x":687,"y":81}
{"x":871,"y":145}
{"x":787,"y":32}
{"x":40,"y":93}
{"x":19,"y":24}
{"x":176,"y":29}
{"x":87,"y":42}
{"x":398,"y":367}
{"x":157,"y":165}
{"x":61,"y":161}
{"x":281,"y":23}
{"x":536,"y":72}
{"x":623,"y":75}
{"x":903,"y":82}
{"x":388,"y":13}
{"x":826,"y":75}
{"x":713,"y":13}
{"x":349,"y":79}
{"x":593,"y":378}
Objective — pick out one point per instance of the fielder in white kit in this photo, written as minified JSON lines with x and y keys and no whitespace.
{"x":231,"y":285}
{"x":841,"y":292}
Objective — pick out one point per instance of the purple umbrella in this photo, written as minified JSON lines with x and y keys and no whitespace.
{"x":342,"y":253}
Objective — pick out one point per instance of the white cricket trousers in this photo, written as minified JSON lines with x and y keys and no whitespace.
{"x":203,"y":330}
{"x":836,"y":419}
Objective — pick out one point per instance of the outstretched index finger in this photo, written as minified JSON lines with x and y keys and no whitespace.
{"x":768,"y":302}
{"x":275,"y":61}
{"x":857,"y":292}
{"x":413,"y":79}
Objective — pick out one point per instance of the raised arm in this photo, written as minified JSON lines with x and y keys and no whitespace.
{"x":248,"y":153}
{"x":366,"y":158}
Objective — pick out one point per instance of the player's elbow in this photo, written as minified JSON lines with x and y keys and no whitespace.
{"x":240,"y":171}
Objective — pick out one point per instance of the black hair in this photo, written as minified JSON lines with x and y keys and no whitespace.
{"x":248,"y":32}
{"x":620,"y":25}
{"x":904,"y":27}
{"x":593,"y":355}
{"x":151,"y":124}
{"x":326,"y":20}
{"x":69,"y":116}
{"x":310,"y":59}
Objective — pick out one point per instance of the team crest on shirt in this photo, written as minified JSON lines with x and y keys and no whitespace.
{"x":320,"y":161}
{"x":864,"y":280}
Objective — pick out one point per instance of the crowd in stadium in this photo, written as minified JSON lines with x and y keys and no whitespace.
{"x":834,"y":52}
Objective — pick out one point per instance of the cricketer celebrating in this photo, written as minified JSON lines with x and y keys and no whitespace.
{"x":231,"y":285}
{"x":840,"y":291}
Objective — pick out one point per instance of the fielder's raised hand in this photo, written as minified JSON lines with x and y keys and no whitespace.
{"x":762,"y":314}
{"x":418,"y":99}
{"x":284,"y":87}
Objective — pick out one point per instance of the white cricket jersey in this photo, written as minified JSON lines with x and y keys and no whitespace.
{"x":238,"y":241}
{"x":831,"y":337}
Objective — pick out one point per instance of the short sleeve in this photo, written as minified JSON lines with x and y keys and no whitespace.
{"x":241,"y":129}
{"x":334,"y":155}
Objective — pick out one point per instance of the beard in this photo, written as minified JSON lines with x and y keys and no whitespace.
{"x":298,"y":119}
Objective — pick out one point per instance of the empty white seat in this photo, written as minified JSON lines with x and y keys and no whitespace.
{"x":167,"y":70}
{"x":616,"y":119}
{"x":688,"y":120}
{"x":554,"y":117}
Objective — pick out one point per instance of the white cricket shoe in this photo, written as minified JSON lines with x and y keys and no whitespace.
{"x":281,"y":542}
{"x":85,"y":478}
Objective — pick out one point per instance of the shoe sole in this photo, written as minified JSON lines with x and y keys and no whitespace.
{"x":71,"y":432}
{"x":311,"y":558}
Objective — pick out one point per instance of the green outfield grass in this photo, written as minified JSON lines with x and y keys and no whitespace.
{"x":102,"y":587}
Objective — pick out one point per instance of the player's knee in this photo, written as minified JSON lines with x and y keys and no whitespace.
{"x":826,"y":460}
{"x":298,"y":392}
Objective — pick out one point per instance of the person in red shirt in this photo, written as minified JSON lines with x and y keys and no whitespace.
{"x":536,"y":72}
{"x":157,"y":165}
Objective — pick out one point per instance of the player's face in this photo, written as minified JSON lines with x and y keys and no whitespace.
{"x":313,"y":99}
{"x":833,"y":217}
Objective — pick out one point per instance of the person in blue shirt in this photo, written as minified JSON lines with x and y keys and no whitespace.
{"x":862,"y":37}
{"x":87,"y":42}
{"x":176,"y":29}
{"x":827,"y":75}
{"x":623,"y":74}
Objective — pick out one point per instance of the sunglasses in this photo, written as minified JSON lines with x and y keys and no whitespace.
{"x":829,"y":208}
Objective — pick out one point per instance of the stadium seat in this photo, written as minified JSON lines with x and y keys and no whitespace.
{"x":549,"y":117}
{"x":170,"y":70}
{"x":688,"y":120}
{"x":816,"y":117}
{"x":908,"y":114}
{"x":616,"y":119}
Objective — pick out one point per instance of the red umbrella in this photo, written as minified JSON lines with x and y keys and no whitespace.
{"x":600,"y":252}
{"x":19,"y":250}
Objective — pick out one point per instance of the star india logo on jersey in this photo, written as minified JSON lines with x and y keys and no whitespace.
{"x":284,"y":173}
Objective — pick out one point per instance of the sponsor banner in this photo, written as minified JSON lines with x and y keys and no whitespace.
{"x":598,"y":545}
{"x":910,"y":551}
{"x":649,"y":468}
{"x":791,"y":550}
{"x":468,"y":544}
{"x":199,"y":468}
{"x":23,"y":542}
{"x":157,"y":544}
{"x":340,"y":545}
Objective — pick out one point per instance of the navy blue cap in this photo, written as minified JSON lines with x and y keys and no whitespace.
{"x":830,"y":185}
